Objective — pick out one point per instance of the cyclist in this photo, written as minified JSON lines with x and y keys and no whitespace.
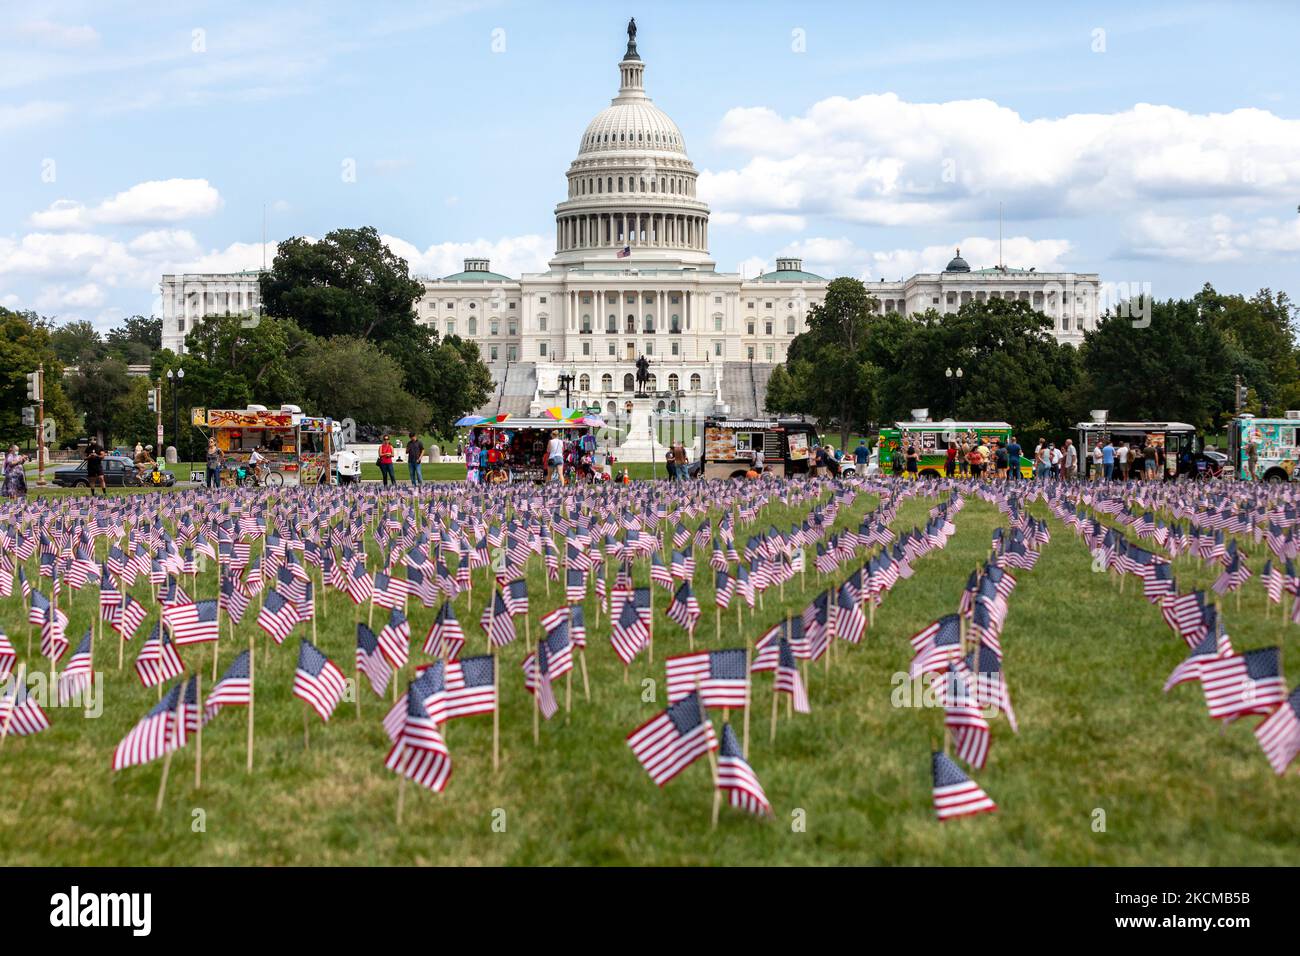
{"x":255,"y":460}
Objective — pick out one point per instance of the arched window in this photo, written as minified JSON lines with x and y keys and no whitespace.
{"x":631,"y":324}
{"x":620,"y":184}
{"x":609,"y":184}
{"x":652,"y":383}
{"x":629,"y":383}
{"x":473,"y":325}
{"x":673,"y":382}
{"x":675,"y":324}
{"x":695,"y":383}
{"x":586,"y":323}
{"x":584,"y":383}
{"x":611,"y":324}
{"x":789,"y":325}
{"x":607,"y":382}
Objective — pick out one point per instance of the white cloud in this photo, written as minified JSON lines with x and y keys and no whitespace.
{"x":30,"y":114}
{"x":511,"y":255}
{"x":753,"y":266}
{"x":57,"y":298}
{"x":58,"y":34}
{"x":168,"y":200}
{"x":881,"y":160}
{"x":1212,"y":238}
{"x":1018,"y":252}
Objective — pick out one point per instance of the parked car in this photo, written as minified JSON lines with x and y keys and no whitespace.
{"x":119,"y":472}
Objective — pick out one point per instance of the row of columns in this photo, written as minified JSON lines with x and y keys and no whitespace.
{"x":648,"y":229}
{"x":660,"y":305}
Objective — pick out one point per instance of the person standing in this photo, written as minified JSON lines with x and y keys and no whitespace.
{"x":679,"y":459}
{"x":1108,"y":460}
{"x":862,"y":456}
{"x":386,"y":462}
{"x":415,"y":458}
{"x":213,"y":472}
{"x":15,"y":481}
{"x":555,"y":457}
{"x":1252,"y":459}
{"x":913,"y":461}
{"x":950,"y":460}
{"x":1054,"y":456}
{"x":670,"y":465}
{"x":1121,"y":460}
{"x":95,"y":468}
{"x":1069,"y":460}
{"x":1013,"y":458}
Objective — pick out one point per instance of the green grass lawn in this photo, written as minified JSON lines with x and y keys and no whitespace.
{"x":1085,"y":664}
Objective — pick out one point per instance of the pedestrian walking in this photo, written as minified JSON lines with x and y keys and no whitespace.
{"x":554,"y":458}
{"x":15,"y":482}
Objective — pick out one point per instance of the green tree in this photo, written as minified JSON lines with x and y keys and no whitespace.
{"x":827,"y":373}
{"x":347,"y":377}
{"x":77,"y":342}
{"x":136,"y":339}
{"x":100,"y":390}
{"x":1172,"y":369}
{"x":458,"y":384}
{"x":348,"y":283}
{"x":25,"y":344}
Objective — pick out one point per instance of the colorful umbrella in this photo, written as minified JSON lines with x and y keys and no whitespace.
{"x":469,"y":421}
{"x":564,"y":414}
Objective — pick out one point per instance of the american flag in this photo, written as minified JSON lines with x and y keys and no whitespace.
{"x":737,"y":780}
{"x":1234,"y":575}
{"x":20,"y":712}
{"x":1240,"y":684}
{"x":370,"y":660}
{"x":628,"y":632}
{"x":358,"y":585}
{"x":990,"y":683}
{"x":317,"y":681}
{"x":497,"y":622}
{"x":388,"y":591}
{"x":158,"y":660}
{"x":553,"y":658}
{"x":192,"y":623}
{"x":955,"y":794}
{"x":159,"y":732}
{"x":850,"y":622}
{"x":76,"y":674}
{"x":470,"y":686}
{"x":962,"y":717}
{"x":234,"y":689}
{"x":684,"y":609}
{"x":623,"y":253}
{"x":395,"y":639}
{"x":129,"y":617}
{"x":724,"y":589}
{"x":1279,"y":735}
{"x":515,"y":595}
{"x":278,"y":616}
{"x":54,"y":641}
{"x":445,"y":637}
{"x":670,"y":742}
{"x":575,"y":584}
{"x":659,"y":574}
{"x":419,"y":752}
{"x":1185,"y":614}
{"x":8,"y":656}
{"x":719,"y":676}
{"x":936,"y":646}
{"x":1189,"y":669}
{"x":788,"y":680}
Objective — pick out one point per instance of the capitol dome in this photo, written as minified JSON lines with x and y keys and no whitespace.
{"x":632,"y":124}
{"x":631,"y":188}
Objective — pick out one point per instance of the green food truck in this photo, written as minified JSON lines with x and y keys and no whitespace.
{"x":931,"y":440}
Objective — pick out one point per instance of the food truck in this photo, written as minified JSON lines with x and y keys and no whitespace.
{"x":1176,"y":442}
{"x":513,"y":449}
{"x":1276,"y":447}
{"x":931,"y":440}
{"x":296,"y":447}
{"x":730,"y":446}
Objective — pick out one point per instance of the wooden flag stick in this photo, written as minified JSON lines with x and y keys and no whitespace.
{"x":306,"y":729}
{"x":252,"y":693}
{"x":198,"y":737}
{"x":176,"y":743}
{"x":401,"y":797}
{"x":496,"y":718}
{"x":749,"y":692}
{"x":586,"y":686}
{"x":18,"y":683}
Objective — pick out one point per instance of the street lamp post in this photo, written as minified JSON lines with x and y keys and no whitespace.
{"x":566,"y":383}
{"x":175,"y":386}
{"x":953,"y":378}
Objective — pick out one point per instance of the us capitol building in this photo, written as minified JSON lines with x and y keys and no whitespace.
{"x":632,"y":276}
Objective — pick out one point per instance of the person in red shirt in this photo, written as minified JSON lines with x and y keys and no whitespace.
{"x":386,"y":462}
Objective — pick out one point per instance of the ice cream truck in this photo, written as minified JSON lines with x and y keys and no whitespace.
{"x":1274,"y":441}
{"x":296,"y":449}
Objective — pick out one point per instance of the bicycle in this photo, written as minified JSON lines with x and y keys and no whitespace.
{"x":247,"y":477}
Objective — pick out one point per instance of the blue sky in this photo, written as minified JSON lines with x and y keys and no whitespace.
{"x":1151,"y":143}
